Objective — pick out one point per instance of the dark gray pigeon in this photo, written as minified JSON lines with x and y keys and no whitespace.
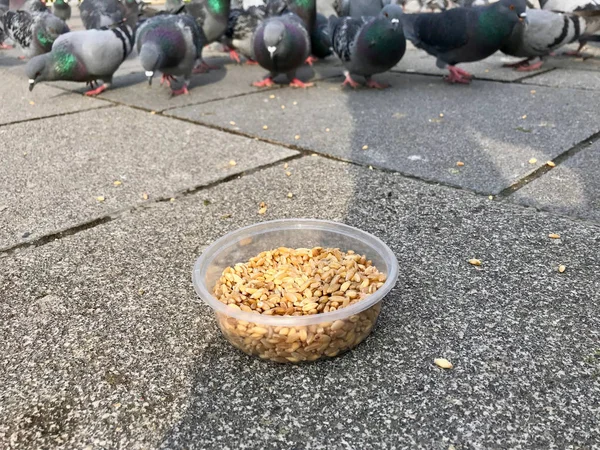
{"x":170,"y":44}
{"x":34,"y":33}
{"x":240,"y":31}
{"x":320,"y":38}
{"x":96,"y":14}
{"x":86,"y":55}
{"x":4,"y":6}
{"x":281,"y":45}
{"x":369,"y":45}
{"x":35,"y":6}
{"x":61,"y":9}
{"x":464,"y":34}
{"x":304,"y":9}
{"x":545,"y":32}
{"x":212,"y":17}
{"x":360,"y":8}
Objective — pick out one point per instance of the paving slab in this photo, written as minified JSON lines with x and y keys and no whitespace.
{"x":106,"y":345}
{"x":418,"y":61}
{"x":571,"y":188}
{"x":54,"y":185}
{"x":560,"y":78}
{"x":18,"y":104}
{"x":494,"y":128}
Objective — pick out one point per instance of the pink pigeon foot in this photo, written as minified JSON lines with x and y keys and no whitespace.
{"x":98,"y":90}
{"x":374,"y":84}
{"x":234,"y":56}
{"x":350,"y":82}
{"x":311,"y":60}
{"x":251,"y":62}
{"x":266,"y":82}
{"x":530,"y":67}
{"x":183,"y":90}
{"x":3,"y":46}
{"x":300,"y":84}
{"x":21,"y":57}
{"x":166,"y":79}
{"x":576,"y":53}
{"x":524,"y":62}
{"x":457,"y":75}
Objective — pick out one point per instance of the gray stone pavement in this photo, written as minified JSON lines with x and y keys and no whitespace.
{"x":105,"y":344}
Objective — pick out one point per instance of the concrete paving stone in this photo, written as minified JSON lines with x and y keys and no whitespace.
{"x":494,"y":128}
{"x":418,"y":61}
{"x":19,"y":104}
{"x":560,"y":78}
{"x":106,"y":345}
{"x":54,"y":185}
{"x":572,"y":188}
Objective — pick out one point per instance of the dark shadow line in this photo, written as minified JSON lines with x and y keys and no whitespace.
{"x":70,"y":113}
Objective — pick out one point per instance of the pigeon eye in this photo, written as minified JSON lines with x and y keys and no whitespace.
{"x":511,"y":7}
{"x":386,"y":14}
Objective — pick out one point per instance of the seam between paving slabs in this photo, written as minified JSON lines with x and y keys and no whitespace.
{"x":70,"y":113}
{"x":113,"y":215}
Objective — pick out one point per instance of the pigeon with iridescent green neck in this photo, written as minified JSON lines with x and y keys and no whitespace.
{"x":369,"y":45}
{"x":212,"y":17}
{"x":33,"y":33}
{"x":61,"y":9}
{"x":170,"y":44}
{"x":464,"y":34}
{"x":86,"y":55}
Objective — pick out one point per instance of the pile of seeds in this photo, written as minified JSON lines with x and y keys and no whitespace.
{"x":297,"y":282}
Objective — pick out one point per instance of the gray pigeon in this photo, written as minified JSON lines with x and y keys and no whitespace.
{"x":34,"y":33}
{"x":240,"y":32}
{"x":96,"y":14}
{"x":61,"y":9}
{"x":574,"y":6}
{"x":320,"y":38}
{"x":281,"y":45}
{"x":212,"y":17}
{"x":545,"y":32}
{"x":369,"y":45}
{"x":359,"y":8}
{"x":4,"y":6}
{"x":86,"y":55}
{"x":464,"y":34}
{"x":35,"y":6}
{"x":170,"y":44}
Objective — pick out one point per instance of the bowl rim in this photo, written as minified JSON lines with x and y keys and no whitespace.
{"x":233,"y":237}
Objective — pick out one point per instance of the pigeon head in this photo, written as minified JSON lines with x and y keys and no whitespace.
{"x":38,"y":69}
{"x":516,"y":7}
{"x":392,"y":13}
{"x":151,"y":58}
{"x":273,"y":36}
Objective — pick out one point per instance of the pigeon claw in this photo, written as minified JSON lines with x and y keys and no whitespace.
{"x":167,"y":79}
{"x":524,"y":62}
{"x":374,"y":84}
{"x":183,"y":90}
{"x":311,"y":60}
{"x":350,"y":82}
{"x":235,"y":56}
{"x":266,"y":82}
{"x":530,"y":67}
{"x":251,"y":62}
{"x":3,"y":46}
{"x":300,"y":84}
{"x":98,"y":90}
{"x":457,"y":75}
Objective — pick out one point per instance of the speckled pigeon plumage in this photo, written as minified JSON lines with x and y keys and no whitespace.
{"x":61,"y":9}
{"x":369,"y":45}
{"x":570,"y":5}
{"x":86,"y":55}
{"x":320,"y":38}
{"x":170,"y":44}
{"x":4,"y":6}
{"x":34,"y":33}
{"x":281,"y":44}
{"x":96,"y":14}
{"x":240,"y":31}
{"x":34,"y":6}
{"x":211,"y":16}
{"x":464,"y":34}
{"x":545,"y":32}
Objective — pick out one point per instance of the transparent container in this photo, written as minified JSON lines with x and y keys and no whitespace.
{"x":294,"y":339}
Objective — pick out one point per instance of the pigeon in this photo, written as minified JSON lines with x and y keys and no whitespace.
{"x":369,"y":45}
{"x":4,"y":6}
{"x":359,"y":8}
{"x":96,"y":14}
{"x":464,"y":34}
{"x":86,"y":55}
{"x":240,"y":31}
{"x":573,"y":6}
{"x":304,"y":9}
{"x":320,"y":38}
{"x":170,"y":44}
{"x":34,"y":33}
{"x":545,"y":32}
{"x":173,"y":5}
{"x":281,"y":44}
{"x":62,"y":9}
{"x":35,"y":6}
{"x":212,"y":17}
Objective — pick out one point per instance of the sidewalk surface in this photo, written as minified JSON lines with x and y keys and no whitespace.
{"x":104,"y":343}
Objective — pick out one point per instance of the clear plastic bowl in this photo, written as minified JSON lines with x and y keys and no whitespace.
{"x":294,"y":338}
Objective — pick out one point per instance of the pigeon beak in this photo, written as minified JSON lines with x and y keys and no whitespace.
{"x":31,"y":84}
{"x":149,"y":74}
{"x":271,"y":51}
{"x":523,"y":18}
{"x":395,"y":22}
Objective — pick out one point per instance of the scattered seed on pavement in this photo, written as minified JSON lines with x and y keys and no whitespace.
{"x":297,"y":137}
{"x":144,"y":196}
{"x":443,"y":363}
{"x":460,"y":163}
{"x":554,"y":236}
{"x":532,"y":91}
{"x":271,"y":96}
{"x":290,"y":195}
{"x":265,"y":127}
{"x":524,"y":117}
{"x":232,"y":123}
{"x":117,"y":183}
{"x":232,"y":163}
{"x":327,"y":130}
{"x":263,"y":208}
{"x":100,"y":198}
{"x":562,"y":268}
{"x":532,"y":161}
{"x":550,"y":163}
{"x":365,"y":147}
{"x":172,"y":199}
{"x":474,"y":262}
{"x":288,"y":173}
{"x":286,"y":165}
